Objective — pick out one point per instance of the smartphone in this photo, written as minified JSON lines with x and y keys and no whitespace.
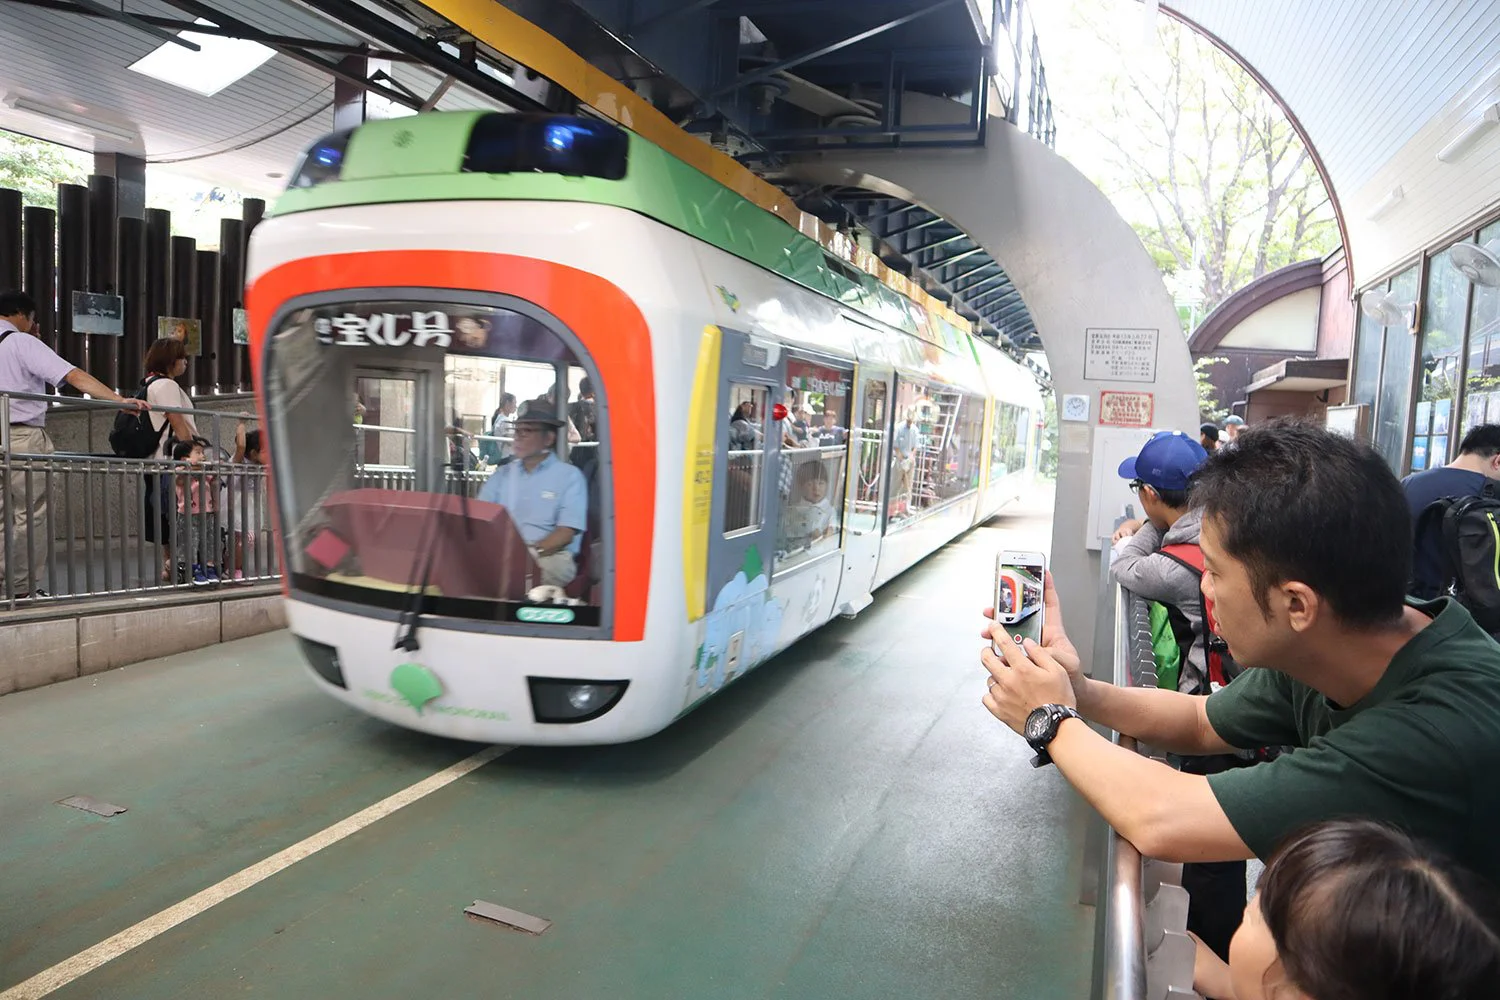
{"x":1019,"y":608}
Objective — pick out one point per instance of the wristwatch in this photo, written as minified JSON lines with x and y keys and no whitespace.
{"x":1041,"y":729}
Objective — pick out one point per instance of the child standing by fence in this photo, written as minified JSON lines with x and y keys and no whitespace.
{"x":197,"y":492}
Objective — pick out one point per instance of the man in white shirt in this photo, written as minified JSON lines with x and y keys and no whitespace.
{"x":28,"y":365}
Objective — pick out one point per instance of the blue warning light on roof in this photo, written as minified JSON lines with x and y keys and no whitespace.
{"x":550,"y":144}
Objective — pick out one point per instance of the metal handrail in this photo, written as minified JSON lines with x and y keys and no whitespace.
{"x":1122,"y":902}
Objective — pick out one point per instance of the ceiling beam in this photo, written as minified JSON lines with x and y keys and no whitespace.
{"x":766,"y":72}
{"x":246,"y":32}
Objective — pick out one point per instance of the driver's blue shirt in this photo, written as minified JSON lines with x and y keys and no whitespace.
{"x":551,"y":495}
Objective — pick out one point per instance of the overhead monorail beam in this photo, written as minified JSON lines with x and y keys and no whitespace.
{"x":766,"y":72}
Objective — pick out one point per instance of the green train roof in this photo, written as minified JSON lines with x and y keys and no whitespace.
{"x":422,"y":158}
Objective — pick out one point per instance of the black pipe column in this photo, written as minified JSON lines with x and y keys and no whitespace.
{"x":11,"y":253}
{"x":140,"y":325}
{"x":103,"y":274}
{"x":41,"y":264}
{"x":185,"y":296}
{"x":72,"y":272}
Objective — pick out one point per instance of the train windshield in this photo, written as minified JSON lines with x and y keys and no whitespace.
{"x":442,"y":458}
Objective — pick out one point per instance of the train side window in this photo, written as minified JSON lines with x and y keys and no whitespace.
{"x":814,"y":457}
{"x":935,"y":447}
{"x":865,"y":440}
{"x":746,"y":457}
{"x":1007,"y":447}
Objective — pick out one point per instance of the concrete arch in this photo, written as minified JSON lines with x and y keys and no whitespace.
{"x":1077,"y":265}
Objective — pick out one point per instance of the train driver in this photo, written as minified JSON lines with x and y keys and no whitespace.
{"x":546,"y":497}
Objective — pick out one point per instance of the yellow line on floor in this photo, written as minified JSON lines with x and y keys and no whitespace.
{"x":87,"y":961}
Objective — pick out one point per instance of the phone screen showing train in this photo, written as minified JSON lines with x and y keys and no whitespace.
{"x":1019,"y":577}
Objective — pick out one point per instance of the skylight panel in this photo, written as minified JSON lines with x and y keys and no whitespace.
{"x":218,"y":63}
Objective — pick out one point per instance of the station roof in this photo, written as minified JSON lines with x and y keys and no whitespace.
{"x":1379,"y":88}
{"x":833,"y":65}
{"x":66,"y":78}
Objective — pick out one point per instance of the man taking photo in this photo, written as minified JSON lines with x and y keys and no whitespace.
{"x":1393,"y":710}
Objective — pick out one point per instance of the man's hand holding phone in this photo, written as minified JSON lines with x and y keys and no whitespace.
{"x":1054,"y":638}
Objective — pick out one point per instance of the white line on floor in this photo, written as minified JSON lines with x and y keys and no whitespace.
{"x":87,"y":961}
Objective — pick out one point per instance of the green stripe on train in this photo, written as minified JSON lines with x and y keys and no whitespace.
{"x":420,"y":158}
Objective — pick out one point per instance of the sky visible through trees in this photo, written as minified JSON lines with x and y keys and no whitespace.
{"x":1191,"y":151}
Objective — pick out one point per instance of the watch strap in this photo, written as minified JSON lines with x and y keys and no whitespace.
{"x":1055,"y":716}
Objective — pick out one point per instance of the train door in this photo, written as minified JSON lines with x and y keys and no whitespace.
{"x":393,"y":409}
{"x":864,"y":514}
{"x":744,"y":516}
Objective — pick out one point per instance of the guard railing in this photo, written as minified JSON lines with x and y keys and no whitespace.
{"x":78,"y":524}
{"x":1142,"y":949}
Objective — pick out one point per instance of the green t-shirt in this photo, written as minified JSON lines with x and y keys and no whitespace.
{"x":1421,"y":751}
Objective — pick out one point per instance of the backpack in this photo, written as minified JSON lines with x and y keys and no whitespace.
{"x":1469,"y":548}
{"x":1221,"y":666}
{"x":133,"y":436}
{"x":1166,"y":645}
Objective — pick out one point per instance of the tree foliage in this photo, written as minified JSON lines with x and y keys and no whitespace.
{"x":35,"y":168}
{"x":1210,"y":410}
{"x":1195,"y":155}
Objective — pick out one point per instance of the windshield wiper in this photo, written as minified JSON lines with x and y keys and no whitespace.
{"x":411,"y":613}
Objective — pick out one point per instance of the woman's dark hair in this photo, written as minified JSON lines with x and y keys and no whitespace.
{"x":162,"y":355}
{"x":1294,"y":501}
{"x":1360,"y":911}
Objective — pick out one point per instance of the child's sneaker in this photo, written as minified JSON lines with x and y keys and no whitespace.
{"x":239,"y":576}
{"x":200,"y":578}
{"x":212,"y":573}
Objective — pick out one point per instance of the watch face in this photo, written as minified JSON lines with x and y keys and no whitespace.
{"x":1037,"y":724}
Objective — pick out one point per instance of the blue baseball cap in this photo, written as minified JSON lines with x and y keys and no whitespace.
{"x":1166,"y":461}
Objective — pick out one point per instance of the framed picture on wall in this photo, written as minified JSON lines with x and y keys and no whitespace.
{"x":1422,"y":419}
{"x":1474,"y":409}
{"x":1439,"y":450}
{"x":1441,"y":409}
{"x":1418,"y":454}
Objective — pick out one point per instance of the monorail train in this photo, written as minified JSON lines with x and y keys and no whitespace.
{"x":1020,"y":597}
{"x":753,"y":431}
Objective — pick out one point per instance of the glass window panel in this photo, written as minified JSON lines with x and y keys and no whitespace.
{"x":413,"y":489}
{"x":1395,"y":377}
{"x":867,"y":438}
{"x":1443,"y":315}
{"x":934,"y":447}
{"x":747,"y":457}
{"x":814,"y":456}
{"x":1482,"y":375}
{"x":1368,"y":346}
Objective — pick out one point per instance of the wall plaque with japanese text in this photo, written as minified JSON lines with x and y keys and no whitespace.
{"x":1126,"y":409}
{"x":1120,"y":355}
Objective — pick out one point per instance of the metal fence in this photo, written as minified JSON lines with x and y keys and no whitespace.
{"x":1142,"y":949}
{"x":78,"y":524}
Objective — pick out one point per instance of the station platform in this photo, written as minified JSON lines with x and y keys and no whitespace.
{"x":846,"y":822}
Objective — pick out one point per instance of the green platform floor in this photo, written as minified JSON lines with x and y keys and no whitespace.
{"x":846,"y":822}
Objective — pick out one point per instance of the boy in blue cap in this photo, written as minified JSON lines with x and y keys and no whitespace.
{"x":1160,"y":475}
{"x":1159,"y":560}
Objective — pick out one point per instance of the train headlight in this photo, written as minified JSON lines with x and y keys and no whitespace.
{"x":568,"y":701}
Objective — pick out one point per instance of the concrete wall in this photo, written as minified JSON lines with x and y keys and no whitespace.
{"x":1077,"y":265}
{"x":1288,"y":324}
{"x":46,"y":650}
